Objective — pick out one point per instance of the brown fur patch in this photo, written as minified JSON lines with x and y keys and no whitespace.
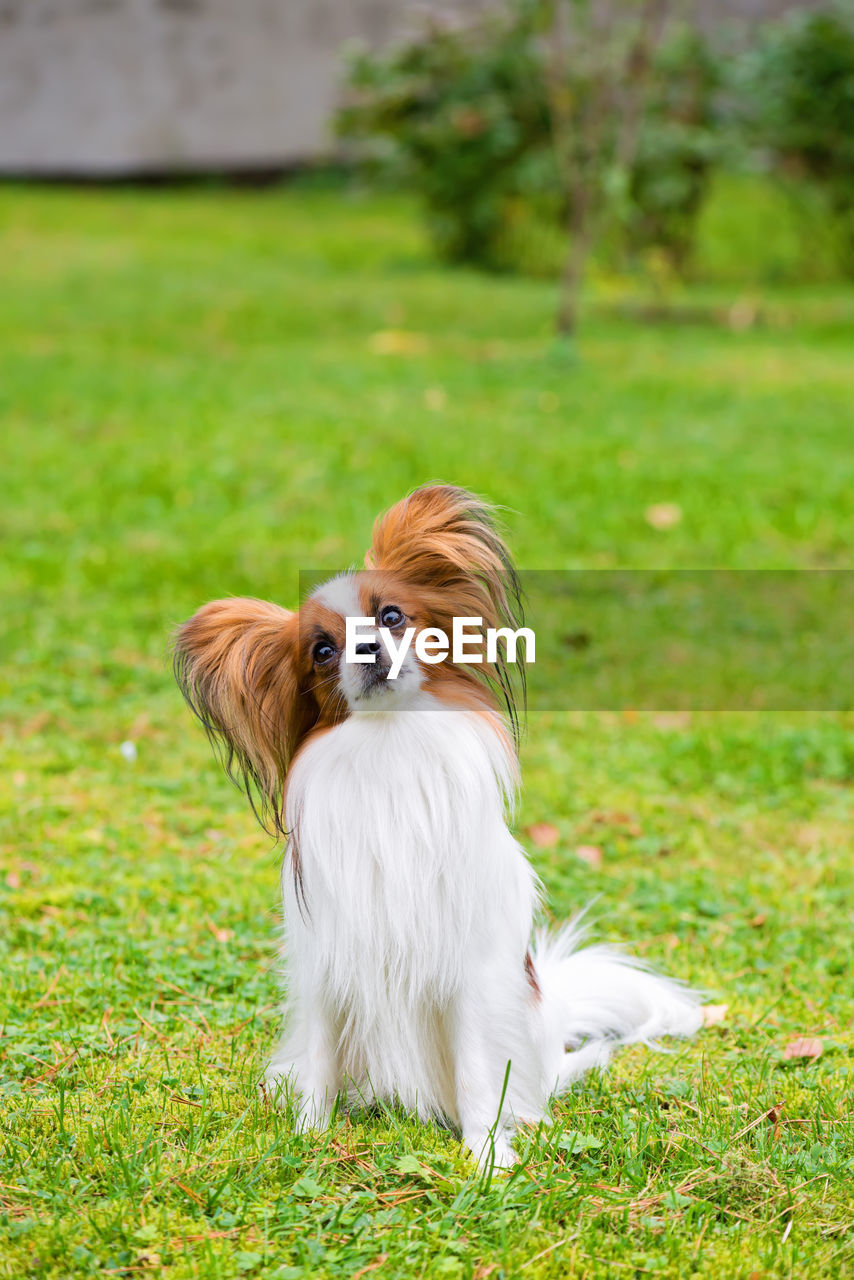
{"x":531,"y":975}
{"x":239,"y":666}
{"x":442,"y":545}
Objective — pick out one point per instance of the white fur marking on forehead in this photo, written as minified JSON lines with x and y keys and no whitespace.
{"x":340,"y":594}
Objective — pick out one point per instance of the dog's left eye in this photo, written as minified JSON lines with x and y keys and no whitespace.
{"x":391,"y":616}
{"x":323,"y":651}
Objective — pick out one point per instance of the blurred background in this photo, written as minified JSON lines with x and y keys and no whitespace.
{"x":470,"y":104}
{"x":700,"y":141}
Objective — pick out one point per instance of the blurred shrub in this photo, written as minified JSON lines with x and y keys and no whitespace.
{"x":800,"y":107}
{"x":754,"y":233}
{"x":463,"y":115}
{"x":678,"y":148}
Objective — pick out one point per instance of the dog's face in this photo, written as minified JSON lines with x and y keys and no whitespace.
{"x":263,"y":680}
{"x":370,"y":682}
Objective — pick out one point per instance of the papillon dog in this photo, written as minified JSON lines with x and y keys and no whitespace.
{"x":412,"y":975}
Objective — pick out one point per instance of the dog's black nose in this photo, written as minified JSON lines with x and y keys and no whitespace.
{"x":368,"y":646}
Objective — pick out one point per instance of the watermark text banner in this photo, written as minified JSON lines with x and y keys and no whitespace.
{"x":684,"y":639}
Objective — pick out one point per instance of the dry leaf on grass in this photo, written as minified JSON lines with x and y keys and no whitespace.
{"x":397,"y":342}
{"x":221,"y":935}
{"x":771,"y":1116}
{"x":435,"y":399}
{"x":614,"y":818}
{"x":372,"y":1266}
{"x":663,"y":515}
{"x":672,"y":719}
{"x":714,"y":1014}
{"x":543,"y":834}
{"x":804,"y":1047}
{"x":589,"y":853}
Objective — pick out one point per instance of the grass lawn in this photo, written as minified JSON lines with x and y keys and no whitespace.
{"x":203,"y":392}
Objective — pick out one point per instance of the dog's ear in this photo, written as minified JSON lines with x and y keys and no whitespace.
{"x":447,"y":541}
{"x":235,"y":663}
{"x":441,"y":535}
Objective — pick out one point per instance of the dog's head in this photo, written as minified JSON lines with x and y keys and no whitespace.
{"x":263,"y":680}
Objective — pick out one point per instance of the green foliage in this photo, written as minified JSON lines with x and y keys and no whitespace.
{"x":679,"y":146}
{"x":465,"y":114}
{"x":197,"y":402}
{"x":755,"y":231}
{"x":802,"y":107}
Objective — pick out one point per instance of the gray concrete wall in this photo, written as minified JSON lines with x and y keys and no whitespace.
{"x":105,"y":87}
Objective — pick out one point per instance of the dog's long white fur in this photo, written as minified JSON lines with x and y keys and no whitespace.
{"x":404,"y":951}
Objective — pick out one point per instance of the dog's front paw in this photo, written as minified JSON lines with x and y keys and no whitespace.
{"x":310,"y":1108}
{"x":274,"y":1086}
{"x":491,"y":1150}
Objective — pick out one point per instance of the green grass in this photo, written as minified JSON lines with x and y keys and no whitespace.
{"x":195,"y":402}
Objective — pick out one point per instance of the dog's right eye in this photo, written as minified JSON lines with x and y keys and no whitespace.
{"x":323,"y":651}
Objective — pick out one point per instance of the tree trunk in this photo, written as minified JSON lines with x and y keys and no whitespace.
{"x":579,"y":235}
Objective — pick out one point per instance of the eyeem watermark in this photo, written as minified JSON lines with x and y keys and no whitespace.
{"x":432,"y":644}
{"x":662,"y":640}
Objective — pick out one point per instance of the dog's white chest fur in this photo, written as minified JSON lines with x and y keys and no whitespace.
{"x":410,"y":885}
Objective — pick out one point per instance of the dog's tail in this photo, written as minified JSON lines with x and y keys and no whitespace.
{"x":595,"y":998}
